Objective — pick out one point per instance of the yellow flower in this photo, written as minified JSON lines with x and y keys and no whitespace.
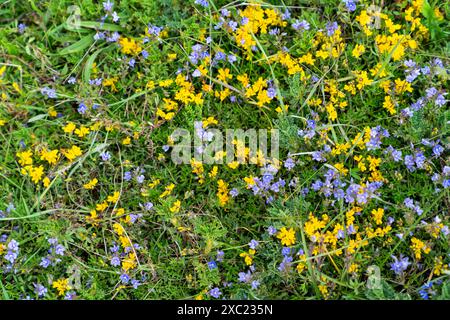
{"x":82,"y":131}
{"x":126,"y":141}
{"x":165,"y":83}
{"x":46,"y":182}
{"x":167,"y":191}
{"x":353,"y":268}
{"x":418,"y":246}
{"x":101,"y":206}
{"x":114,"y":197}
{"x":362,"y":80}
{"x":62,"y":285}
{"x":72,"y":153}
{"x":373,"y":163}
{"x":69,"y":127}
{"x":129,"y":46}
{"x":25,"y":158}
{"x":286,"y":236}
{"x":358,"y":50}
{"x":52,"y":112}
{"x":175,"y":207}
{"x":213,"y":173}
{"x":222,"y":192}
{"x":388,"y":104}
{"x":50,"y":156}
{"x":36,"y":173}
{"x":340,"y":167}
{"x":224,"y":75}
{"x":378,"y":215}
{"x":91,"y":184}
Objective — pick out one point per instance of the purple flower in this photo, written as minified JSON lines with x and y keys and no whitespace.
{"x":82,"y":108}
{"x":135,"y":283}
{"x":255,"y":284}
{"x":331,"y":28}
{"x":219,"y":256}
{"x":215,"y":293}
{"x":285,"y":265}
{"x":253,"y":244}
{"x":220,"y":56}
{"x":115,"y":261}
{"x":114,"y":37}
{"x":124,"y":278}
{"x":245,"y":277}
{"x":203,"y":3}
{"x":99,"y":35}
{"x":286,"y":251}
{"x":289,"y":164}
{"x":212,"y":265}
{"x":440,"y":100}
{"x":140,"y":179}
{"x":59,"y":249}
{"x":108,"y":5}
{"x":271,"y":92}
{"x":437,"y":150}
{"x":271,"y":230}
{"x":148,"y":206}
{"x":21,"y":27}
{"x":105,"y":155}
{"x":234,"y":192}
{"x":400,"y":264}
{"x":115,"y":17}
{"x":13,"y":245}
{"x":50,"y":93}
{"x":154,"y":30}
{"x":127,"y":176}
{"x":231,"y":58}
{"x":431,"y":92}
{"x":286,"y":15}
{"x":40,"y":290}
{"x":45,"y":262}
{"x":300,"y":25}
{"x":350,"y":4}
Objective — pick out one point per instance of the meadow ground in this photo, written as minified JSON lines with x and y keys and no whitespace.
{"x":355,"y":206}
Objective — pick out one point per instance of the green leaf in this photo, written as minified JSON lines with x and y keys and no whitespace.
{"x":100,"y":26}
{"x":37,"y":118}
{"x":80,"y":45}
{"x":88,"y":66}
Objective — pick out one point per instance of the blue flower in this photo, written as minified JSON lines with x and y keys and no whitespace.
{"x":108,"y":5}
{"x":331,"y":28}
{"x":350,"y":4}
{"x":212,"y":265}
{"x":203,"y":3}
{"x":400,"y":264}
{"x":300,"y":25}
{"x":253,"y":244}
{"x":215,"y":293}
{"x":234,"y":192}
{"x":105,"y":155}
{"x":50,"y":93}
{"x":219,"y":256}
{"x":115,"y":17}
{"x":21,"y":27}
{"x":271,"y":230}
{"x":82,"y":108}
{"x":124,"y":278}
{"x":40,"y":290}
